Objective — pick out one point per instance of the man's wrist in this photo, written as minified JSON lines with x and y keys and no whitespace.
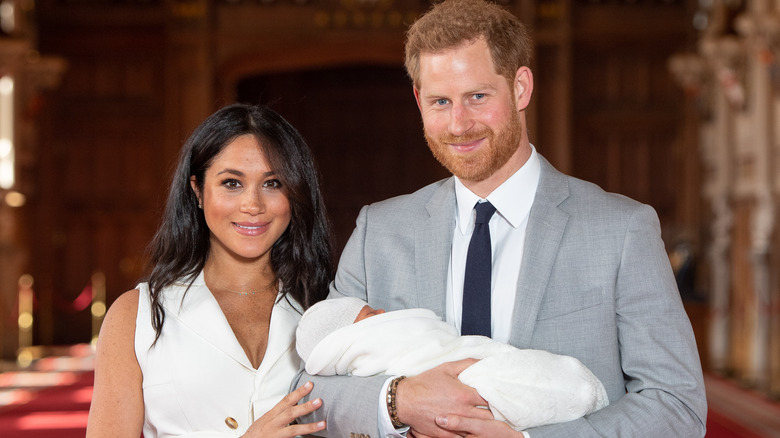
{"x":392,"y":406}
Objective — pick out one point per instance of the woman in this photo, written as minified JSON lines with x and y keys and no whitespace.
{"x":205,"y":346}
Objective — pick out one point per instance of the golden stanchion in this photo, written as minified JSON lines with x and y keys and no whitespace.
{"x":98,"y":303}
{"x":24,"y":356}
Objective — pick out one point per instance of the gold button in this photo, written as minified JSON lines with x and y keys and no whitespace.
{"x":231,"y":422}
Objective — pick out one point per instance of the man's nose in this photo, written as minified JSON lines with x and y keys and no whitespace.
{"x":460,"y":120}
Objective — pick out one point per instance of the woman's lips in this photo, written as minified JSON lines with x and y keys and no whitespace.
{"x":250,"y":229}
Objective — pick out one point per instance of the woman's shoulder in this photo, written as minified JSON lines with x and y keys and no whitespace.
{"x":116,"y":341}
{"x":122,"y":314}
{"x":117,"y":401}
{"x":127,"y":301}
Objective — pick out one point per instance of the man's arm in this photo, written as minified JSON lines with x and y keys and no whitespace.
{"x":349,"y":403}
{"x":658,"y":355}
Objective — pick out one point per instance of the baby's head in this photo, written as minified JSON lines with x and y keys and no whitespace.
{"x":327,"y":316}
{"x":367,"y":312}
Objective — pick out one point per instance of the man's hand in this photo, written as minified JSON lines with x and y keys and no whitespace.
{"x":438,"y":392}
{"x":476,"y":428}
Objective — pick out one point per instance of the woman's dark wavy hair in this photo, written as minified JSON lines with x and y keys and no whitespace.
{"x":300,"y":258}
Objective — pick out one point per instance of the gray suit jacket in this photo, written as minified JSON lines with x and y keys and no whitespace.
{"x":595,"y":283}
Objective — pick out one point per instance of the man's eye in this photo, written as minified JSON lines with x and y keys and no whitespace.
{"x":479,"y":96}
{"x":441,"y":102}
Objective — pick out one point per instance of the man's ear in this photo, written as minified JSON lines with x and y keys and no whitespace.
{"x":524,"y":87}
{"x":417,"y":97}
{"x":194,"y":186}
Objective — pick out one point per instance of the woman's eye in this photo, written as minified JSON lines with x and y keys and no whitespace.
{"x":231,"y":183}
{"x":273,"y":184}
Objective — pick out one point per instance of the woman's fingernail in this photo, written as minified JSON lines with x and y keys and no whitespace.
{"x":307,"y":385}
{"x":317,"y":402}
{"x":441,"y":420}
{"x":321,"y":424}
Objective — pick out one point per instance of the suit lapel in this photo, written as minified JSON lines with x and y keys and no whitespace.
{"x":546,"y":224}
{"x":433,"y":244}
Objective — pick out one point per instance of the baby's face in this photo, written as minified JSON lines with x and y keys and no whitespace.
{"x":368,"y":311}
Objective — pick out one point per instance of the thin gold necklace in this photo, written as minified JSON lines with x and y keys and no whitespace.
{"x":251,"y":292}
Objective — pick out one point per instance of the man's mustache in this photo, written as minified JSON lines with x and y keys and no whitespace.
{"x":467,"y":137}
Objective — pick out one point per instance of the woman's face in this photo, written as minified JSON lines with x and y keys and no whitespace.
{"x":245,"y":206}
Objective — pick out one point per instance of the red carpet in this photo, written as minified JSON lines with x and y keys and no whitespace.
{"x":52,"y":400}
{"x":739,"y":412}
{"x":720,"y":426}
{"x":59,"y":411}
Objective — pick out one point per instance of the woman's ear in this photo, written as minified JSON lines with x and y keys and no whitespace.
{"x":194,"y":186}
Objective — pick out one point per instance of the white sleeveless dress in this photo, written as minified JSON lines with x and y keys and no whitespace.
{"x":197,"y":380}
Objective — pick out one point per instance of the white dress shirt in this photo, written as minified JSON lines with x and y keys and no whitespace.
{"x":513,"y":200}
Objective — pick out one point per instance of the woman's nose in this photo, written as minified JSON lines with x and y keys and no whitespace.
{"x":252,"y":203}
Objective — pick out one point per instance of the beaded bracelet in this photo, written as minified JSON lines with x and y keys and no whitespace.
{"x":391,"y":406}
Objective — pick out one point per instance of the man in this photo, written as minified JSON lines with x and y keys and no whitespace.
{"x":575,"y":270}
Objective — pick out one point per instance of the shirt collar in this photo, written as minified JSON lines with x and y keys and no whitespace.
{"x":512,"y":199}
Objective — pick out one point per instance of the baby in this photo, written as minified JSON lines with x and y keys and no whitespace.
{"x":525,"y":388}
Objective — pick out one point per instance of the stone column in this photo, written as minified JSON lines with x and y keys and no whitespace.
{"x":717,"y":139}
{"x":761,"y":32}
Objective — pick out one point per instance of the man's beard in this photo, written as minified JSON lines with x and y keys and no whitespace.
{"x":482,"y":164}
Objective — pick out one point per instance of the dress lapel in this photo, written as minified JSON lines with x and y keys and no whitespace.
{"x":546,"y":224}
{"x":433,"y":244}
{"x":199,"y":311}
{"x":284,"y":320}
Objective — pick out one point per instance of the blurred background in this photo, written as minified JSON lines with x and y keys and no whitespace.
{"x":675,"y":103}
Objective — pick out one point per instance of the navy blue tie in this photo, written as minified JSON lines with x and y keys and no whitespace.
{"x":475,"y":319}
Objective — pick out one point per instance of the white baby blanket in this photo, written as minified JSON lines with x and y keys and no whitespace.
{"x":525,"y":388}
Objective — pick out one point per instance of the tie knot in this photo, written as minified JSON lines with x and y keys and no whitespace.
{"x":484,"y":212}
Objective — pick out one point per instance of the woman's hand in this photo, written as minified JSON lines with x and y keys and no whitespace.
{"x":278,"y":422}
